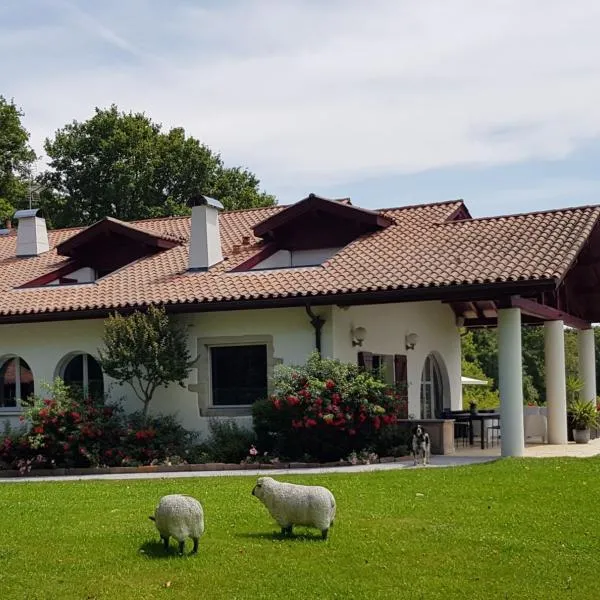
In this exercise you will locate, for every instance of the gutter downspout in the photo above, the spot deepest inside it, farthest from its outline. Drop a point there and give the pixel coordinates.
(317, 322)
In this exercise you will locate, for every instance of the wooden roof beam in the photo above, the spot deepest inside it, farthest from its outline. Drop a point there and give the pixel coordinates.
(547, 313)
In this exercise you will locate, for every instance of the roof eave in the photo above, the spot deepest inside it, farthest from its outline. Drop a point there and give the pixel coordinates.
(423, 294)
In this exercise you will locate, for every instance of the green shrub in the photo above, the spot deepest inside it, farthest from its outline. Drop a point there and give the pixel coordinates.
(394, 440)
(155, 439)
(228, 442)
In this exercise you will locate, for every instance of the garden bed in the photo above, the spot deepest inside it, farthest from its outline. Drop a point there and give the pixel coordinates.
(78, 472)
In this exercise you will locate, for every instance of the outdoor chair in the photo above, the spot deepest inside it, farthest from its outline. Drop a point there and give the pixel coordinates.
(461, 428)
(536, 423)
(491, 429)
(461, 432)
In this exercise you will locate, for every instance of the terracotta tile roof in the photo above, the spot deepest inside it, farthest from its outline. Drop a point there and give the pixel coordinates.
(424, 248)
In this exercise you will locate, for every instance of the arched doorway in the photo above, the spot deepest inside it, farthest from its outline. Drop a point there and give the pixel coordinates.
(432, 389)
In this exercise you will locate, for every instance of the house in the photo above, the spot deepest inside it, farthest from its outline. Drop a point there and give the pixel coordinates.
(390, 288)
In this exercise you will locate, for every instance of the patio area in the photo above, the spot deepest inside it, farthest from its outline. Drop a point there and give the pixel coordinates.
(536, 450)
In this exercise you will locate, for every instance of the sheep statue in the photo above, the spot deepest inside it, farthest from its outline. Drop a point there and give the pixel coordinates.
(179, 517)
(290, 504)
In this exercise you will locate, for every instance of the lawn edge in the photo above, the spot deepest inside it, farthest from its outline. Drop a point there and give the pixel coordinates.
(81, 472)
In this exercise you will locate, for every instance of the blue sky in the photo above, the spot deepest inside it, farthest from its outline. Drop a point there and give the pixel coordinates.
(389, 102)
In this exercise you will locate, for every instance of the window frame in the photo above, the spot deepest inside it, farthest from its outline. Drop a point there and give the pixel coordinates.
(85, 384)
(210, 347)
(432, 383)
(18, 407)
(385, 368)
(202, 388)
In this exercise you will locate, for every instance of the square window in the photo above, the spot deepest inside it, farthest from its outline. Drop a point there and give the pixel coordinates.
(238, 374)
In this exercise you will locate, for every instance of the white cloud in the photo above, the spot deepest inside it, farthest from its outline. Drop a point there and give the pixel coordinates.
(324, 92)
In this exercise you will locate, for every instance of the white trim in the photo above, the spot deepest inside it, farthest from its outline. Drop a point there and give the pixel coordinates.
(431, 371)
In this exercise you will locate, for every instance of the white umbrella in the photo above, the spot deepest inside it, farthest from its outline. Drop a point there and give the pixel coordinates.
(471, 381)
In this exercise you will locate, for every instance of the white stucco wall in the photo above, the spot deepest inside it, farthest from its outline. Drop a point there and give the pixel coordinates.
(293, 340)
(44, 345)
(386, 328)
(283, 259)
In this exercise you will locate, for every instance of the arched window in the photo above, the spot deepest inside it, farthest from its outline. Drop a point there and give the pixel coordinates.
(83, 372)
(16, 382)
(432, 390)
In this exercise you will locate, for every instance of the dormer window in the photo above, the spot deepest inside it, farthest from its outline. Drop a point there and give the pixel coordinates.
(80, 275)
(288, 259)
(101, 249)
(310, 232)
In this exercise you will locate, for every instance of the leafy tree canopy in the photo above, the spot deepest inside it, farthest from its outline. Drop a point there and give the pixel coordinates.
(146, 351)
(16, 158)
(125, 166)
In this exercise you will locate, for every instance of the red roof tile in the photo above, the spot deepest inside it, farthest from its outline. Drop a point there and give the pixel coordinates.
(422, 248)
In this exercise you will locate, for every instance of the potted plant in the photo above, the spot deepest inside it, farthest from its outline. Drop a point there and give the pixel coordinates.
(473, 407)
(574, 387)
(583, 416)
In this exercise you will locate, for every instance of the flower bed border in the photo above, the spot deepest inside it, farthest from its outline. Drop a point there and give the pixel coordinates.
(58, 472)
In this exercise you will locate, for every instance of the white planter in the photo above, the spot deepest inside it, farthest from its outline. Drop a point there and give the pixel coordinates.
(581, 436)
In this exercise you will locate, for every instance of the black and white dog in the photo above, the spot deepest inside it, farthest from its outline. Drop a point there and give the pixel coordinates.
(421, 445)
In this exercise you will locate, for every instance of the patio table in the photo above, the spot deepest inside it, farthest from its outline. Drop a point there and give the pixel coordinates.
(478, 416)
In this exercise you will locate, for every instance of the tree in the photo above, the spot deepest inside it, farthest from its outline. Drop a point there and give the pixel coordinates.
(480, 347)
(480, 351)
(16, 158)
(123, 165)
(146, 351)
(485, 396)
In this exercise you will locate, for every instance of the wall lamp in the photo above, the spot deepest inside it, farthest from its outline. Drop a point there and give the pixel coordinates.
(358, 335)
(411, 341)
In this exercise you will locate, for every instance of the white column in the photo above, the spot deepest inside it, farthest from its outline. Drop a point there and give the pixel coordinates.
(510, 380)
(556, 387)
(586, 348)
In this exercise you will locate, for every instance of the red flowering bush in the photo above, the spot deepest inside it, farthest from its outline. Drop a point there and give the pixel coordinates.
(64, 431)
(154, 439)
(325, 410)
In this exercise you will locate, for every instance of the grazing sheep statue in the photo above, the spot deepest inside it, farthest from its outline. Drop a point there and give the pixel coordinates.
(291, 504)
(179, 517)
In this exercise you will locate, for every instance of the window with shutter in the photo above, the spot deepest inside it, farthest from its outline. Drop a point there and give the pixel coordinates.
(381, 365)
(401, 375)
(365, 360)
(401, 380)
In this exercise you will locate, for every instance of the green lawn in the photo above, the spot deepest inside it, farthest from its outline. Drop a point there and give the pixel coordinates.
(511, 529)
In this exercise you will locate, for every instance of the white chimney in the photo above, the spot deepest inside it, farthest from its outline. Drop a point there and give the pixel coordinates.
(32, 235)
(205, 238)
